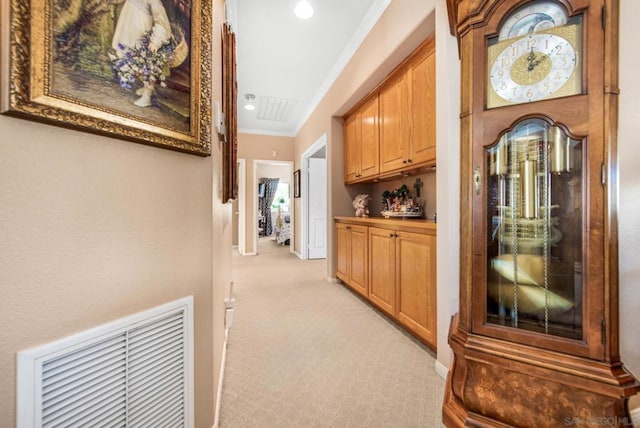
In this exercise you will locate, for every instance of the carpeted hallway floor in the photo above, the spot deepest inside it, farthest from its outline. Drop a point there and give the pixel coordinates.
(303, 352)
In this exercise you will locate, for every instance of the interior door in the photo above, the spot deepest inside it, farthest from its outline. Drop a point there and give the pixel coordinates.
(317, 200)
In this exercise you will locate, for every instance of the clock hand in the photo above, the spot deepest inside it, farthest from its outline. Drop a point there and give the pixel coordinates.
(531, 57)
(534, 61)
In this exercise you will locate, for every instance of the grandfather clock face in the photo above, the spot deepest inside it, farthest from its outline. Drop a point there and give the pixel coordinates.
(536, 55)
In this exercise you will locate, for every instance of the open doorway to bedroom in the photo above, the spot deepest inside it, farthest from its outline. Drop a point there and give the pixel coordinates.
(274, 193)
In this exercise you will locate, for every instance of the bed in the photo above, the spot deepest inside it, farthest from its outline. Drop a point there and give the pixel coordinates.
(283, 228)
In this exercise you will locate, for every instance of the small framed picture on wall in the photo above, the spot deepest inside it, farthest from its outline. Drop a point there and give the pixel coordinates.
(296, 183)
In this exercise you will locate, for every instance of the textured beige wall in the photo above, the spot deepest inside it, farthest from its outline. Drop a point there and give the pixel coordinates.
(254, 147)
(94, 229)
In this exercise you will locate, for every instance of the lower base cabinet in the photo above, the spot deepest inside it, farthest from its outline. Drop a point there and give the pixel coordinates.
(353, 256)
(416, 284)
(401, 273)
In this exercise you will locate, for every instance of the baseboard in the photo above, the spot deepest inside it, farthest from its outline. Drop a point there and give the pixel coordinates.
(250, 254)
(635, 417)
(298, 254)
(216, 415)
(333, 280)
(441, 369)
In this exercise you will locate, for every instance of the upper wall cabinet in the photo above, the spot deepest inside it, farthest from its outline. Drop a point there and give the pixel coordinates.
(423, 107)
(395, 122)
(407, 114)
(361, 145)
(394, 129)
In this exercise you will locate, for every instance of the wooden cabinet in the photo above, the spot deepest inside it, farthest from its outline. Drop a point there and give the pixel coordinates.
(401, 278)
(351, 148)
(382, 269)
(361, 142)
(408, 114)
(395, 120)
(422, 147)
(395, 128)
(352, 263)
(416, 283)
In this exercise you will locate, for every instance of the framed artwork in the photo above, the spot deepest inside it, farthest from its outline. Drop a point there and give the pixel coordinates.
(296, 183)
(230, 109)
(139, 70)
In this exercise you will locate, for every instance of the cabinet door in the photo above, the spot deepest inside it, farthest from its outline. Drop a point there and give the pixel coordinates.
(416, 283)
(369, 139)
(343, 238)
(351, 147)
(394, 123)
(359, 259)
(423, 102)
(382, 269)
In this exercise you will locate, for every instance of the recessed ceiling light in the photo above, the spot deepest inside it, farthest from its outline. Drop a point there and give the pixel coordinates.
(249, 104)
(303, 10)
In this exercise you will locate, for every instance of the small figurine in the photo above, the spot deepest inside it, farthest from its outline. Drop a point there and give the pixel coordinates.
(360, 203)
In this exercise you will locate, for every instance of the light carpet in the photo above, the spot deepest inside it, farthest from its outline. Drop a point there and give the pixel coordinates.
(304, 352)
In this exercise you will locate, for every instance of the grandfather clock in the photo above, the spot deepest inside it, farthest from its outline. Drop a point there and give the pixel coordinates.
(536, 339)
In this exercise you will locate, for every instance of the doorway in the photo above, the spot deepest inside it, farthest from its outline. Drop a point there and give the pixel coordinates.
(314, 201)
(272, 220)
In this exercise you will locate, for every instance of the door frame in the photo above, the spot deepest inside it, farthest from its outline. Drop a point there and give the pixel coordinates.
(304, 187)
(242, 206)
(253, 191)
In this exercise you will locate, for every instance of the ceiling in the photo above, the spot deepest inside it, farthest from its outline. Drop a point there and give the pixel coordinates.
(289, 63)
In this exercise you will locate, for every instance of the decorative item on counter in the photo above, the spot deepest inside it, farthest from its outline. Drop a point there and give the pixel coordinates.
(360, 203)
(399, 203)
(418, 185)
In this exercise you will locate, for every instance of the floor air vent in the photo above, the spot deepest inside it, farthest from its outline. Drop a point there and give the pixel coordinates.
(134, 372)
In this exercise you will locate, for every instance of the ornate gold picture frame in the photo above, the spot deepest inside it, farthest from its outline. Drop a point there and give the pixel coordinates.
(81, 64)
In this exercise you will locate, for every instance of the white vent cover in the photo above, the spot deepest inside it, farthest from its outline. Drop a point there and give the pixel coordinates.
(134, 372)
(273, 109)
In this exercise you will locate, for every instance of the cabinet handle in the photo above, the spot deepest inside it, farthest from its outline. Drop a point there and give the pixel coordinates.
(409, 161)
(404, 162)
(391, 235)
(348, 227)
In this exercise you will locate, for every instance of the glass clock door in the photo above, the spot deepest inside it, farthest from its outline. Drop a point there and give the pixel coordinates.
(534, 255)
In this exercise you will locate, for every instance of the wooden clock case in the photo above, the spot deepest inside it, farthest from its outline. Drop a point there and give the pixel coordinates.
(503, 376)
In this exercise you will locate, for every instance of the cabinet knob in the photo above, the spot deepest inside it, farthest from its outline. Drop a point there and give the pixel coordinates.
(404, 162)
(348, 227)
(409, 161)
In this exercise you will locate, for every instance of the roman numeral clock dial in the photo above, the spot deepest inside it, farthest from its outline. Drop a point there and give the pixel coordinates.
(535, 57)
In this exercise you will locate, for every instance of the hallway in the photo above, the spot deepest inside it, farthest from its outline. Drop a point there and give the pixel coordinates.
(304, 352)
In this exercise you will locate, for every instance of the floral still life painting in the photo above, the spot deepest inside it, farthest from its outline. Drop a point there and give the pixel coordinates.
(125, 68)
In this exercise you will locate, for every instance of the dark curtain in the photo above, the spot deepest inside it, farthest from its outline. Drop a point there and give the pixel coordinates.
(271, 185)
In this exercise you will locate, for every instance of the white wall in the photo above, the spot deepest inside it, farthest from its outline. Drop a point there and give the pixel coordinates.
(629, 196)
(447, 179)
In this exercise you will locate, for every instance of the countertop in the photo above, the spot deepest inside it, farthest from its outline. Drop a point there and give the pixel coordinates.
(410, 224)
